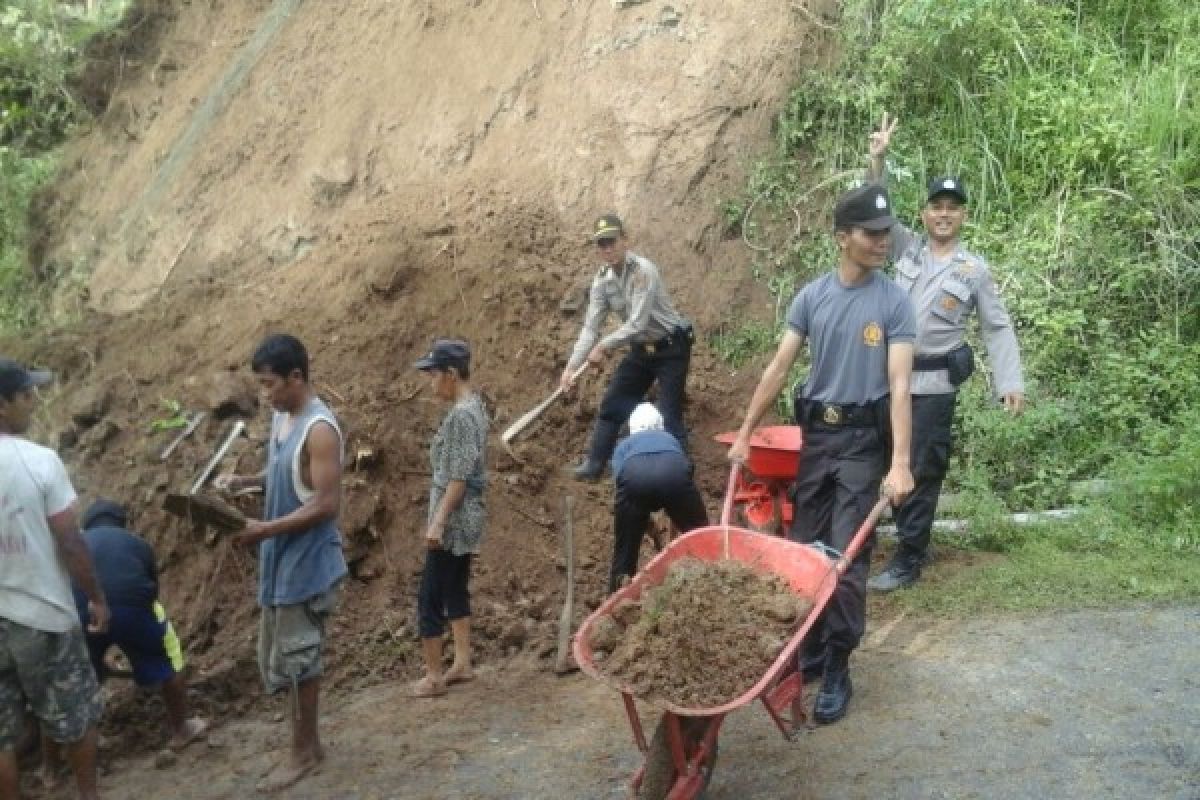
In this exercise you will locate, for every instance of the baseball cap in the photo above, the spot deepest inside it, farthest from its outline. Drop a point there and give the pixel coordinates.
(866, 207)
(445, 353)
(16, 378)
(645, 418)
(947, 184)
(608, 226)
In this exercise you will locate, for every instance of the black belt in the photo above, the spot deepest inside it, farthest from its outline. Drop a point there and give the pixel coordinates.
(930, 363)
(838, 416)
(665, 343)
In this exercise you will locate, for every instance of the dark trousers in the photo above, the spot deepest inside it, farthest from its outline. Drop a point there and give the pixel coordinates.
(443, 596)
(835, 490)
(651, 482)
(630, 382)
(932, 438)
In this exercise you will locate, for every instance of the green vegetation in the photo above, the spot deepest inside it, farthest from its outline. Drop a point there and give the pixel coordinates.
(1076, 125)
(40, 49)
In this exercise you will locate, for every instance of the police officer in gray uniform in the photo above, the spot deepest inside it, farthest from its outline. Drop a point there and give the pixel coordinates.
(860, 329)
(946, 283)
(659, 340)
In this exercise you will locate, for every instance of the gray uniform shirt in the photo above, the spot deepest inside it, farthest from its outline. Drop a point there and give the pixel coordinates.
(944, 295)
(637, 296)
(849, 329)
(459, 453)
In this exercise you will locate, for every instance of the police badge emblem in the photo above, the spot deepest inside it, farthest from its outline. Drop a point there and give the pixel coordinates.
(872, 335)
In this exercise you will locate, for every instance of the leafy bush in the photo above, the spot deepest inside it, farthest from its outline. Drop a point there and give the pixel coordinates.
(1077, 129)
(40, 49)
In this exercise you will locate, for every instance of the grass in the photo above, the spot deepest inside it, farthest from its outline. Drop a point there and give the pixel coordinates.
(1077, 128)
(1091, 562)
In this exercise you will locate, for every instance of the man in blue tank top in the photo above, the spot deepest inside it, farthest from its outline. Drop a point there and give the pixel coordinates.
(300, 562)
(860, 329)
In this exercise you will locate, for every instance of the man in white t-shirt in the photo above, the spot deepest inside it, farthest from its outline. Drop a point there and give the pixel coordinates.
(44, 661)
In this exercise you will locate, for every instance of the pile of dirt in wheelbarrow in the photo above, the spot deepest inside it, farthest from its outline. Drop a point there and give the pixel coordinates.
(702, 637)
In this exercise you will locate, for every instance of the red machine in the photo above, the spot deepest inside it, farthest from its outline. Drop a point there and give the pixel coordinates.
(682, 753)
(760, 495)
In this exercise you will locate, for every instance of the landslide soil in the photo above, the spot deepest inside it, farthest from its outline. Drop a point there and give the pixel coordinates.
(702, 637)
(374, 177)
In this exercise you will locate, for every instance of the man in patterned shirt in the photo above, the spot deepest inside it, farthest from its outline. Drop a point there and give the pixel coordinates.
(457, 516)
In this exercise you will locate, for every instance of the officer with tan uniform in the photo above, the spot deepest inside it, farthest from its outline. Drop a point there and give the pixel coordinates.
(946, 282)
(658, 336)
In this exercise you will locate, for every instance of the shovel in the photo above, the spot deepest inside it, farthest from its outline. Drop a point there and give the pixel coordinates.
(562, 663)
(528, 417)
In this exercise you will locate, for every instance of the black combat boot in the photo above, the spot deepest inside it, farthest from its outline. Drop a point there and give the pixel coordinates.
(835, 688)
(901, 572)
(811, 658)
(604, 440)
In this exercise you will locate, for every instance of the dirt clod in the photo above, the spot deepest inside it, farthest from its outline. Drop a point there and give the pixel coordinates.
(702, 637)
(605, 634)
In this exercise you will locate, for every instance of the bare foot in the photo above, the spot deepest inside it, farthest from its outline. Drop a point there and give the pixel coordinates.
(427, 687)
(193, 729)
(288, 774)
(459, 675)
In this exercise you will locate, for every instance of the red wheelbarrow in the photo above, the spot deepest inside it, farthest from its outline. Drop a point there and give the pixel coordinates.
(681, 754)
(760, 497)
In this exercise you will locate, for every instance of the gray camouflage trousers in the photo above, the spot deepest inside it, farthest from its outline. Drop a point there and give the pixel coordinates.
(50, 674)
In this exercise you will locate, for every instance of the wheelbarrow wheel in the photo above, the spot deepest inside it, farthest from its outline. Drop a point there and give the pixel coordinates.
(660, 773)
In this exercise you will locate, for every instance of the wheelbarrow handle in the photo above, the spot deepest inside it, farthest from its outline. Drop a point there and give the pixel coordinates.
(727, 509)
(862, 534)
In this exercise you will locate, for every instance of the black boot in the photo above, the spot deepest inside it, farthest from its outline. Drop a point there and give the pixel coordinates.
(835, 692)
(810, 661)
(901, 572)
(604, 441)
(588, 470)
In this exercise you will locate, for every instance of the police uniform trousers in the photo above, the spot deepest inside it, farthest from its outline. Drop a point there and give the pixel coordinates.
(932, 438)
(836, 487)
(650, 482)
(632, 379)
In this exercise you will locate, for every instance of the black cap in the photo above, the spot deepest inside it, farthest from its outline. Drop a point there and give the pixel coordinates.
(867, 207)
(16, 378)
(947, 184)
(446, 353)
(608, 226)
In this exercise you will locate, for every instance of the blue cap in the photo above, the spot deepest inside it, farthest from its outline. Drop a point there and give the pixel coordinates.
(446, 353)
(867, 207)
(947, 184)
(15, 377)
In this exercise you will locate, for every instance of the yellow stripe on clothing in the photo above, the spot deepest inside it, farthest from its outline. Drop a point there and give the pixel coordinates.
(170, 640)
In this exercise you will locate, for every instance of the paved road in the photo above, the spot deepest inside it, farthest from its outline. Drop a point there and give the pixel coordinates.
(1079, 706)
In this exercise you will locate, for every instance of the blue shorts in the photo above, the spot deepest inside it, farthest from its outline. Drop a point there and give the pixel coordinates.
(147, 639)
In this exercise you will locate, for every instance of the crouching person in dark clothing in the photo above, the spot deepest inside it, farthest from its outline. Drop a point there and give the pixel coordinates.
(139, 627)
(652, 474)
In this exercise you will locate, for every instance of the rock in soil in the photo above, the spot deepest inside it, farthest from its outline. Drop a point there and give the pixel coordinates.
(704, 636)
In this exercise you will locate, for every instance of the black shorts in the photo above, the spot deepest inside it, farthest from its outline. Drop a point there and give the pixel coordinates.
(444, 596)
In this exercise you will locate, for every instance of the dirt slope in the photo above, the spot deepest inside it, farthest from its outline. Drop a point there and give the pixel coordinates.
(367, 175)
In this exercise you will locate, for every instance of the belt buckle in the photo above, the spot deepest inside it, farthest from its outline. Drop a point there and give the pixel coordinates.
(832, 415)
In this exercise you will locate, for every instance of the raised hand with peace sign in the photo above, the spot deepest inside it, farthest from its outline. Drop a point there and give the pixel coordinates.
(877, 145)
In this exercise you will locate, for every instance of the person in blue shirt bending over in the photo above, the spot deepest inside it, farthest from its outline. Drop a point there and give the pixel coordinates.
(651, 474)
